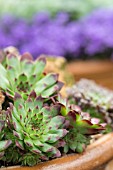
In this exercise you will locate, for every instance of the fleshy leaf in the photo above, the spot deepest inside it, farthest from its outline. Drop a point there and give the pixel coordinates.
(4, 144)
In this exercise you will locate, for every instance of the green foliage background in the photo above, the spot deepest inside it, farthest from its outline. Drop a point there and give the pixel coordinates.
(26, 8)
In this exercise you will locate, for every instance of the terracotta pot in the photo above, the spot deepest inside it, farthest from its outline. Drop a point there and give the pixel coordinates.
(100, 71)
(109, 166)
(97, 154)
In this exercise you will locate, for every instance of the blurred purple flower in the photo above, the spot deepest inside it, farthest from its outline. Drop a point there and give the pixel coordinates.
(97, 32)
(43, 34)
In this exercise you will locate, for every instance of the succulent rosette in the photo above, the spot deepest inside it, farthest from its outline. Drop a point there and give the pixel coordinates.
(81, 126)
(22, 75)
(37, 127)
(92, 98)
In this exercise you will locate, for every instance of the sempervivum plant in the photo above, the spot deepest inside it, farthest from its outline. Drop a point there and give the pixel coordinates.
(37, 128)
(92, 98)
(22, 75)
(81, 127)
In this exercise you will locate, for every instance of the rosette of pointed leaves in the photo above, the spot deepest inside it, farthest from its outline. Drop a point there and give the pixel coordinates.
(22, 75)
(38, 128)
(81, 127)
(92, 98)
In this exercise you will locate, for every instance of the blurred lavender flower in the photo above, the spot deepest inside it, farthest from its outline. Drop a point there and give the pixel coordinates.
(97, 33)
(88, 37)
(42, 35)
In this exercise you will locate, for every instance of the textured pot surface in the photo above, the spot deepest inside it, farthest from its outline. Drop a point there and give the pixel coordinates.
(100, 71)
(109, 165)
(97, 154)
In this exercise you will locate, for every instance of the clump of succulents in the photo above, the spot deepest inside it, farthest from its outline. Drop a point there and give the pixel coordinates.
(92, 98)
(38, 130)
(37, 124)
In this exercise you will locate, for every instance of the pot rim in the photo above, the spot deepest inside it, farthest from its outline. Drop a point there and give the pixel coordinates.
(96, 154)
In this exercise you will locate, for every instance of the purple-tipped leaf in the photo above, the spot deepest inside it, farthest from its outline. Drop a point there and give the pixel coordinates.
(26, 56)
(5, 144)
(20, 144)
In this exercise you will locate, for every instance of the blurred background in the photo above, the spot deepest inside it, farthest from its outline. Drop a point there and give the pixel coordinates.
(79, 30)
(75, 29)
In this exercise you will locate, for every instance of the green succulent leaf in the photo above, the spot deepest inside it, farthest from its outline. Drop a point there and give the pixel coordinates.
(4, 144)
(4, 83)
